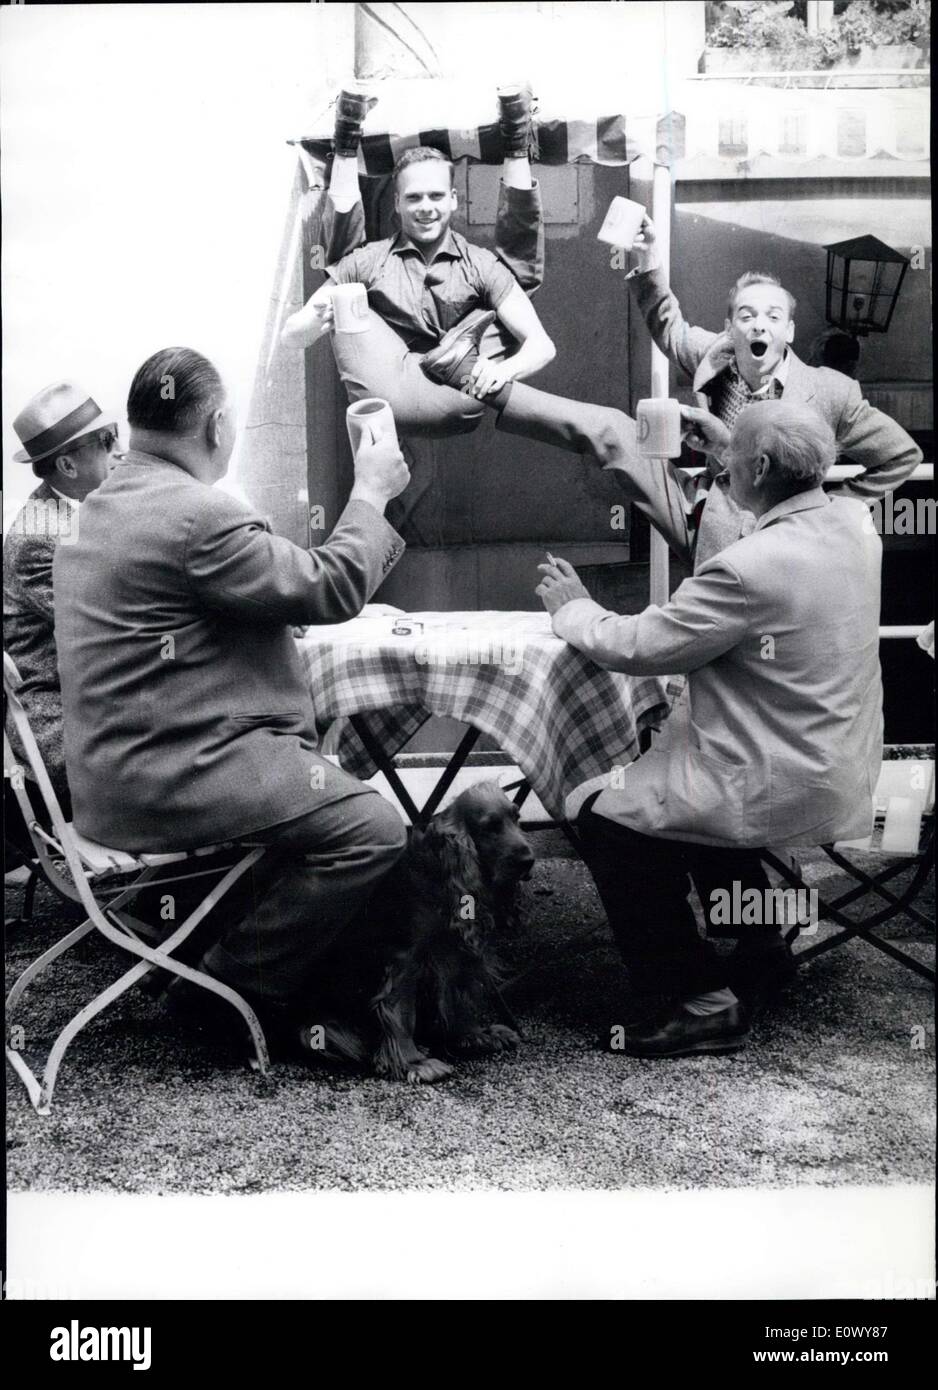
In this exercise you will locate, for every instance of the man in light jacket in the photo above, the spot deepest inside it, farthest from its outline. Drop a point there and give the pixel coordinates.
(779, 741)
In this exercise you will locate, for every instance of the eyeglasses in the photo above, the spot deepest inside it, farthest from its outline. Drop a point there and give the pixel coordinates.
(106, 440)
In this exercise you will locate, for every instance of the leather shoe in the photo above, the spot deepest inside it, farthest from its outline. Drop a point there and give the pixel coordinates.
(517, 129)
(680, 1034)
(457, 352)
(351, 108)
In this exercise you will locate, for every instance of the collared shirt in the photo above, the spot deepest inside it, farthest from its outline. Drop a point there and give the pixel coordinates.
(420, 301)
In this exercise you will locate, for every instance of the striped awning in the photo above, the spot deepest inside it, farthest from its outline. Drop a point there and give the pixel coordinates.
(559, 142)
(461, 122)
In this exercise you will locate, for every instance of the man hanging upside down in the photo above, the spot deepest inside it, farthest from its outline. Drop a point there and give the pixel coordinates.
(435, 300)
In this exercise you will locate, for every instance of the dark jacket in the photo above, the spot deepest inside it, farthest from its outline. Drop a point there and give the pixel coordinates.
(188, 719)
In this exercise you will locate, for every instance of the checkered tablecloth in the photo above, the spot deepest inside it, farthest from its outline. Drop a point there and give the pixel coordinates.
(560, 717)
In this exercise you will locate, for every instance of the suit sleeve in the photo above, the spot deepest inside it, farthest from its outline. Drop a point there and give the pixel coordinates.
(681, 343)
(236, 565)
(706, 617)
(869, 437)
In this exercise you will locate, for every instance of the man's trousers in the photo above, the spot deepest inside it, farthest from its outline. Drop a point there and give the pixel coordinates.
(644, 883)
(321, 870)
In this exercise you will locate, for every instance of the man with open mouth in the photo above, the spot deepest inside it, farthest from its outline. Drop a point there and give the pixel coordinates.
(752, 360)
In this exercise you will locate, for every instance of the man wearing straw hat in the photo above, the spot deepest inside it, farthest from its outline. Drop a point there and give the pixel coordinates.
(70, 444)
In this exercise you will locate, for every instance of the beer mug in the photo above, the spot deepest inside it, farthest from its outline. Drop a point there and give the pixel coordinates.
(371, 419)
(621, 223)
(350, 308)
(659, 429)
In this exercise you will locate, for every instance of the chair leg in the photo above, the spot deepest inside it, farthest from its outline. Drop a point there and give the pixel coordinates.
(897, 904)
(113, 992)
(41, 963)
(29, 895)
(31, 1082)
(36, 968)
(198, 977)
(829, 912)
(887, 948)
(76, 1024)
(150, 958)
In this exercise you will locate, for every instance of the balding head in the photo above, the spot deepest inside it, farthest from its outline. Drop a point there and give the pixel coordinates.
(777, 449)
(178, 409)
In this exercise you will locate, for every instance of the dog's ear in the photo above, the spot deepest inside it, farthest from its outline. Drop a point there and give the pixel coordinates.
(450, 843)
(466, 901)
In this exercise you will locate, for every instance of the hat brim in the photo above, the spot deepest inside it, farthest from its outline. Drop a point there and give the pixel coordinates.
(103, 420)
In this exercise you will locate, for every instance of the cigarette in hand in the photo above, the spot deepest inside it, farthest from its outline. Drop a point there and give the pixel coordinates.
(550, 557)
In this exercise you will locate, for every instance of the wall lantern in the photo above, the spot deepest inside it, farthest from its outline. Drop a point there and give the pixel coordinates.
(863, 280)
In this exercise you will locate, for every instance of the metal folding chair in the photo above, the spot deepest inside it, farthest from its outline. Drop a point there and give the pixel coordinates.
(904, 834)
(103, 880)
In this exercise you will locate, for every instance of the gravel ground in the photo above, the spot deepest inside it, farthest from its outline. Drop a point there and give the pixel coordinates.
(830, 1089)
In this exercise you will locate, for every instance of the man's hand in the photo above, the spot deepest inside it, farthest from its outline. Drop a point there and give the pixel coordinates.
(380, 473)
(308, 324)
(719, 355)
(644, 246)
(703, 431)
(488, 376)
(561, 584)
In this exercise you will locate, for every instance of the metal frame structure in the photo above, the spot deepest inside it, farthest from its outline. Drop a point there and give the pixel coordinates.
(103, 880)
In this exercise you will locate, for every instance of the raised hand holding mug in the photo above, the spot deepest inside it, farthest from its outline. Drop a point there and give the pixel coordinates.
(659, 429)
(350, 308)
(370, 420)
(622, 223)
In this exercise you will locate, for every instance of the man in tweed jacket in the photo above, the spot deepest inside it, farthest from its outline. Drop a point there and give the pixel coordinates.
(696, 514)
(752, 360)
(69, 468)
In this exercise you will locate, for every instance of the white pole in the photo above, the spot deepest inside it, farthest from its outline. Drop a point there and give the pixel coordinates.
(661, 216)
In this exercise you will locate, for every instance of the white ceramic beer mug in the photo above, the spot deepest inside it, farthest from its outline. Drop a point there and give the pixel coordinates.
(350, 308)
(659, 429)
(621, 223)
(371, 419)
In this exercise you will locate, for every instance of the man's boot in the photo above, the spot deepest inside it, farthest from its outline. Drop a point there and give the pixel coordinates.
(452, 360)
(516, 105)
(351, 108)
